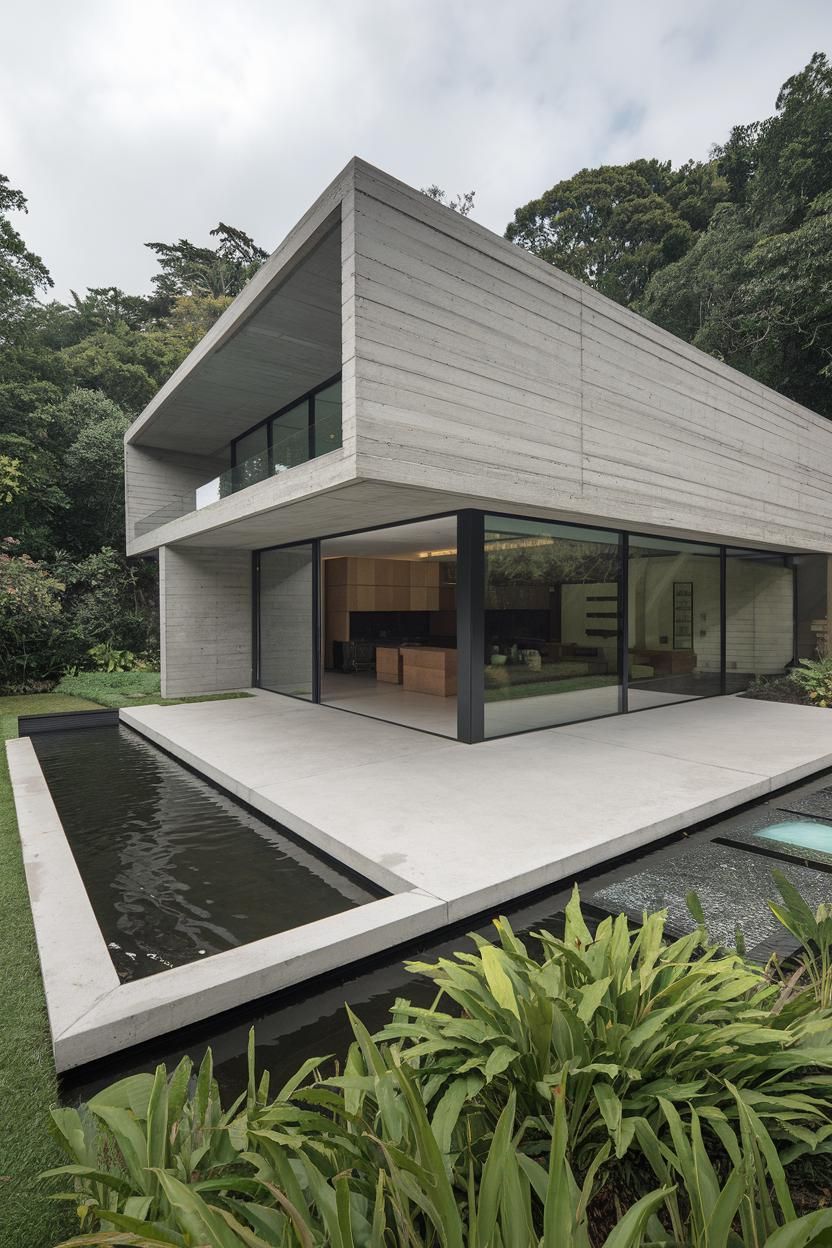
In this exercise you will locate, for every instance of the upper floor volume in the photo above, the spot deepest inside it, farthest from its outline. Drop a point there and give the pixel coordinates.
(392, 360)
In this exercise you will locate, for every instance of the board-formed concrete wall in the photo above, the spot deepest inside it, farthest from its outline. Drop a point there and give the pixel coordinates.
(285, 628)
(476, 375)
(204, 619)
(482, 370)
(760, 616)
(160, 485)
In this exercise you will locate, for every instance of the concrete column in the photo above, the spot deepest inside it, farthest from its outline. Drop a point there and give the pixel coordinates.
(286, 651)
(204, 619)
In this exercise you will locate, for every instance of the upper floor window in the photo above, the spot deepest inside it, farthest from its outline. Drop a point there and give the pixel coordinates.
(304, 429)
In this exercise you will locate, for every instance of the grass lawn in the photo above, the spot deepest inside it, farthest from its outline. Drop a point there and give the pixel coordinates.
(125, 689)
(534, 689)
(28, 1086)
(27, 1075)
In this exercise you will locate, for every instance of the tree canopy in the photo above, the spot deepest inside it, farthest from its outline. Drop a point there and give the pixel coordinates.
(212, 272)
(72, 377)
(21, 271)
(733, 254)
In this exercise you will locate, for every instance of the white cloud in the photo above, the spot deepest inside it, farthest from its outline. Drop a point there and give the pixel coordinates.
(131, 121)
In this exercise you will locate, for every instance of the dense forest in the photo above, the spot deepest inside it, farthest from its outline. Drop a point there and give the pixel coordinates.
(733, 254)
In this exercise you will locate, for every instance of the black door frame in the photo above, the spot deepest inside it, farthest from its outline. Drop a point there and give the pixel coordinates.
(470, 608)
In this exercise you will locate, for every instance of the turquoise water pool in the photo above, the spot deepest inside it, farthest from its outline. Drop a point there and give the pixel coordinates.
(806, 834)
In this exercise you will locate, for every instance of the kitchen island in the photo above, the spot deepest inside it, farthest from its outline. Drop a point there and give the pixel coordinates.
(429, 669)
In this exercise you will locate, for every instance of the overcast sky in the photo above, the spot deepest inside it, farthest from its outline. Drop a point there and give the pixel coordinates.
(125, 121)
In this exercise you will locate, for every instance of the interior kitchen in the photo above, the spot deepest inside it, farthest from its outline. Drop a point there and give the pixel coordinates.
(389, 624)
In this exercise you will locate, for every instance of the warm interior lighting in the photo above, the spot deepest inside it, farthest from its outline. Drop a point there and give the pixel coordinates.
(519, 543)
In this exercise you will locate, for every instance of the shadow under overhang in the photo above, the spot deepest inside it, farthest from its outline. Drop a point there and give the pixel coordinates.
(285, 343)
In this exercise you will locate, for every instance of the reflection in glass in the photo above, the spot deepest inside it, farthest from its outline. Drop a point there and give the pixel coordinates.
(551, 624)
(389, 624)
(813, 590)
(285, 647)
(327, 431)
(673, 621)
(290, 437)
(759, 616)
(251, 462)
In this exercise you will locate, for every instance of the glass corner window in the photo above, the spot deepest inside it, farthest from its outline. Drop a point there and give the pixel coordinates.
(291, 442)
(551, 624)
(327, 419)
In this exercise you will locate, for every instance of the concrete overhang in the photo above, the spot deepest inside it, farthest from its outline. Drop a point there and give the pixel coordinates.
(281, 336)
(325, 498)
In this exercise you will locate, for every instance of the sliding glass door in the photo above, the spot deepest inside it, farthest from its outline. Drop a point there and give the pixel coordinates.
(481, 626)
(551, 624)
(759, 616)
(674, 621)
(286, 598)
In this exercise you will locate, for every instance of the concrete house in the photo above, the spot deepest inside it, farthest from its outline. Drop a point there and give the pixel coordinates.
(423, 492)
(416, 473)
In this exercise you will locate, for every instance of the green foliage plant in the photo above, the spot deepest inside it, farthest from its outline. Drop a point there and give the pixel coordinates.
(30, 611)
(107, 659)
(10, 481)
(814, 931)
(501, 1124)
(814, 677)
(624, 1021)
(346, 1162)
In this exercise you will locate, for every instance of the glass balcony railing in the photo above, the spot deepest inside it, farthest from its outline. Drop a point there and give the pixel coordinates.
(289, 450)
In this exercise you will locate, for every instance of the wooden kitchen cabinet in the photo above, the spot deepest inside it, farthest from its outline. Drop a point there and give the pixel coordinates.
(429, 669)
(389, 664)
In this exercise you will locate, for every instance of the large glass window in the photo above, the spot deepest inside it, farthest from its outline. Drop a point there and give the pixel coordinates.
(327, 422)
(554, 628)
(813, 584)
(759, 616)
(285, 621)
(551, 624)
(251, 461)
(308, 428)
(674, 621)
(290, 437)
(389, 639)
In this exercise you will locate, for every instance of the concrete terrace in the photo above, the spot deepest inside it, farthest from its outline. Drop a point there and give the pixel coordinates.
(449, 830)
(474, 828)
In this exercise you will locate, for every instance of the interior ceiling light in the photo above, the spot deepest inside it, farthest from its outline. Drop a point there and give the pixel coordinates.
(521, 543)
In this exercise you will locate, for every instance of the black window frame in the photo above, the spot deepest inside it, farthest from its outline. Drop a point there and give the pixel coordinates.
(308, 397)
(471, 609)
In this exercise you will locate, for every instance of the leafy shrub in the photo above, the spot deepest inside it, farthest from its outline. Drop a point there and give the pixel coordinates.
(105, 658)
(97, 612)
(776, 689)
(30, 612)
(814, 931)
(108, 603)
(501, 1123)
(814, 678)
(628, 1021)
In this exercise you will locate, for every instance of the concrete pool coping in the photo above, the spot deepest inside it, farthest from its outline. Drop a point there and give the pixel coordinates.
(451, 830)
(92, 1014)
(478, 826)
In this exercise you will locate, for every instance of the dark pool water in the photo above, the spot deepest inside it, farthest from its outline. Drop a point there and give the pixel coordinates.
(176, 870)
(309, 1021)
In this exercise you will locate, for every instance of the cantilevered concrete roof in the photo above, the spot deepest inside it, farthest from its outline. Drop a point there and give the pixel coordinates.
(280, 337)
